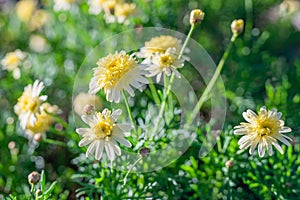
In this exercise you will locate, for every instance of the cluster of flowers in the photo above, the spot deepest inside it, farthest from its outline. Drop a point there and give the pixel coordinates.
(114, 10)
(121, 72)
(33, 112)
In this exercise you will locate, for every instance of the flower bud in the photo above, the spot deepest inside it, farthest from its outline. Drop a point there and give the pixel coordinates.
(88, 109)
(144, 152)
(196, 16)
(34, 177)
(229, 163)
(237, 26)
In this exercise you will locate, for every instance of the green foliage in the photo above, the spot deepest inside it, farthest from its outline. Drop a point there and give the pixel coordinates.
(263, 68)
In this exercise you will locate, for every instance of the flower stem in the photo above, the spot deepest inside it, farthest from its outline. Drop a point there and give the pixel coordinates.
(129, 112)
(154, 93)
(168, 85)
(130, 169)
(211, 83)
(50, 141)
(31, 191)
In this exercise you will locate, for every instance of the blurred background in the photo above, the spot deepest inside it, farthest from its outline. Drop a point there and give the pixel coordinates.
(262, 69)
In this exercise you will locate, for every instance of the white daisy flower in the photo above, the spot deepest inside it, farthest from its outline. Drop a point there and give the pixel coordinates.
(29, 103)
(117, 72)
(159, 45)
(104, 134)
(12, 60)
(263, 130)
(62, 4)
(97, 6)
(167, 63)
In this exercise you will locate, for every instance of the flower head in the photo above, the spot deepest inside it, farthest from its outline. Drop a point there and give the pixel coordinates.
(28, 105)
(44, 120)
(237, 26)
(122, 11)
(12, 60)
(62, 4)
(263, 130)
(97, 6)
(167, 62)
(25, 9)
(160, 44)
(117, 72)
(196, 16)
(34, 177)
(104, 133)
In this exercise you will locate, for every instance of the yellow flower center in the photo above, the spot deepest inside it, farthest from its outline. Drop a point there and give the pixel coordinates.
(12, 59)
(27, 103)
(115, 67)
(267, 126)
(162, 43)
(103, 129)
(165, 60)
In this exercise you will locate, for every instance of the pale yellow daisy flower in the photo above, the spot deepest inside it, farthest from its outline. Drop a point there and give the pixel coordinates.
(103, 134)
(25, 9)
(159, 44)
(12, 60)
(44, 120)
(167, 63)
(123, 11)
(60, 5)
(262, 129)
(28, 105)
(97, 6)
(117, 72)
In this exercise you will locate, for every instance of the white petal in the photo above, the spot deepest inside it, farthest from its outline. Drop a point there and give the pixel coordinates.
(261, 149)
(109, 151)
(278, 147)
(116, 114)
(241, 131)
(88, 119)
(43, 98)
(99, 149)
(253, 145)
(281, 139)
(125, 127)
(85, 141)
(285, 130)
(122, 141)
(83, 131)
(91, 149)
(270, 149)
(129, 90)
(158, 77)
(243, 139)
(116, 147)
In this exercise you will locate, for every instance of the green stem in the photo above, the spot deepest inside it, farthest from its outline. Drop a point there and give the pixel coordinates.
(50, 141)
(31, 191)
(129, 111)
(170, 83)
(130, 169)
(154, 93)
(211, 83)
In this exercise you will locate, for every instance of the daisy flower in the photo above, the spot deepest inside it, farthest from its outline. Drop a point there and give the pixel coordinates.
(263, 129)
(62, 4)
(123, 11)
(25, 9)
(12, 60)
(167, 63)
(104, 134)
(159, 44)
(29, 103)
(97, 6)
(44, 120)
(117, 72)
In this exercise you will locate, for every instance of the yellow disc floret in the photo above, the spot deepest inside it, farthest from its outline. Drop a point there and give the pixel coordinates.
(112, 68)
(103, 129)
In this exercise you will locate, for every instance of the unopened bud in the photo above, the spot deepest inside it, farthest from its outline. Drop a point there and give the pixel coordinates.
(34, 177)
(196, 16)
(237, 26)
(88, 109)
(229, 163)
(144, 152)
